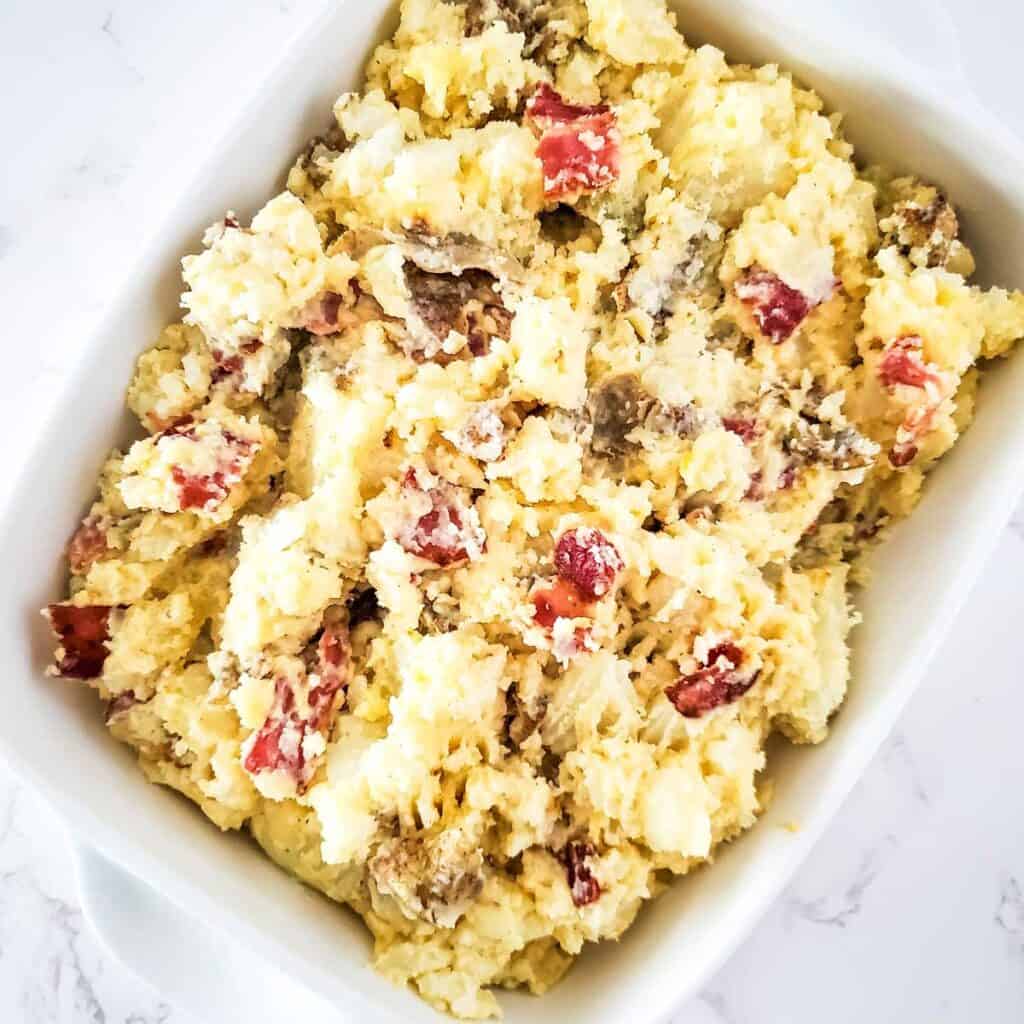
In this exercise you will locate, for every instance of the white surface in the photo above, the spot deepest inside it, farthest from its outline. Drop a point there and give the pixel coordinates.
(910, 908)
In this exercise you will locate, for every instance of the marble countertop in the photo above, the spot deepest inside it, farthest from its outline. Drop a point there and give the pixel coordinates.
(911, 907)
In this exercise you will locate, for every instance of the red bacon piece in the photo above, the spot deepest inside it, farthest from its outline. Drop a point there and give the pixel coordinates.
(902, 362)
(562, 600)
(916, 424)
(755, 489)
(919, 419)
(586, 558)
(579, 145)
(449, 532)
(778, 309)
(716, 683)
(582, 883)
(88, 545)
(586, 563)
(582, 640)
(744, 427)
(200, 491)
(787, 477)
(224, 366)
(902, 454)
(83, 633)
(278, 745)
(228, 367)
(334, 656)
(547, 108)
(207, 490)
(320, 315)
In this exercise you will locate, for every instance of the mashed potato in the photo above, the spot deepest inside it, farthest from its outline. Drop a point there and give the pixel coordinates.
(506, 478)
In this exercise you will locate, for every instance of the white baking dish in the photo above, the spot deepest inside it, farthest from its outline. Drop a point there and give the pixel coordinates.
(52, 731)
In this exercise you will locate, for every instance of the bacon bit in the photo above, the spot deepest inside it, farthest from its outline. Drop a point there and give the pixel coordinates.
(561, 603)
(320, 315)
(120, 704)
(902, 363)
(712, 685)
(579, 159)
(334, 655)
(278, 745)
(83, 633)
(579, 145)
(902, 454)
(586, 558)
(778, 309)
(199, 491)
(586, 563)
(562, 600)
(450, 532)
(89, 544)
(916, 424)
(206, 491)
(224, 366)
(743, 427)
(546, 108)
(230, 221)
(755, 489)
(565, 645)
(582, 883)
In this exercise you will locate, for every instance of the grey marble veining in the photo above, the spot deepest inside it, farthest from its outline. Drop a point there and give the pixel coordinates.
(1009, 914)
(910, 908)
(52, 968)
(840, 907)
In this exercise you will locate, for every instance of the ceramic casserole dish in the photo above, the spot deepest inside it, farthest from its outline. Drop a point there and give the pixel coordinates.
(53, 736)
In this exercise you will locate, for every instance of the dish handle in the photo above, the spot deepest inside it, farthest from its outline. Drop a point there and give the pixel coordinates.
(191, 965)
